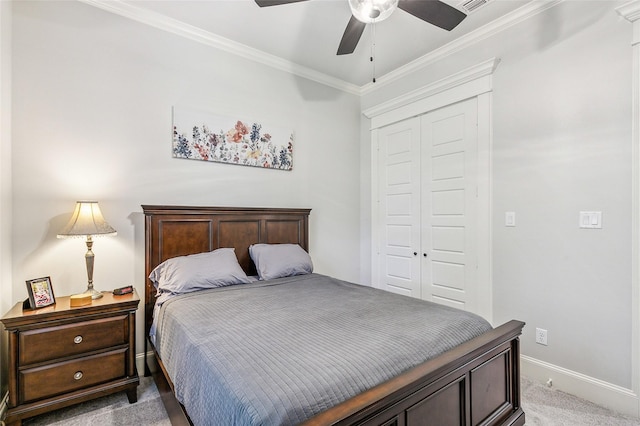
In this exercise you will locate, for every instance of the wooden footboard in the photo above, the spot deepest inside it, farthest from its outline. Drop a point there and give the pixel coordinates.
(476, 383)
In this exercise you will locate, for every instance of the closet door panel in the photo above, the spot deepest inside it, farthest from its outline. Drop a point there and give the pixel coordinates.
(448, 204)
(399, 207)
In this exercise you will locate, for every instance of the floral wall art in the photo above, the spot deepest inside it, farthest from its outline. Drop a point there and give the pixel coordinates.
(208, 137)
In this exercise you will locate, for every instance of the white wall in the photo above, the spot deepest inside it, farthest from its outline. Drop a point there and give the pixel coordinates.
(92, 99)
(568, 149)
(5, 174)
(561, 144)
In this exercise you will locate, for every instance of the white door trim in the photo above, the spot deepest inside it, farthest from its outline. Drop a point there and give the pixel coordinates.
(631, 12)
(456, 88)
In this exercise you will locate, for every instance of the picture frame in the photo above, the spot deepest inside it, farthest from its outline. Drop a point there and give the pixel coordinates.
(206, 136)
(40, 292)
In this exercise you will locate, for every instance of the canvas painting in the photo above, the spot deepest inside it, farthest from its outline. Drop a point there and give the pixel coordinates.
(209, 137)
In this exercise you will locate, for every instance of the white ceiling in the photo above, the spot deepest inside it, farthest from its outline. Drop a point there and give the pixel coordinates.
(306, 35)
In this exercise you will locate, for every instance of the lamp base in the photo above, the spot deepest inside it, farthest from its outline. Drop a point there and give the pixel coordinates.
(95, 294)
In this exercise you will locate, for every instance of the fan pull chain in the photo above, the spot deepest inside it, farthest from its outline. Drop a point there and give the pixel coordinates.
(373, 49)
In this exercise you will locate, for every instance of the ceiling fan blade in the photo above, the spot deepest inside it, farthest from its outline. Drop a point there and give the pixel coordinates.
(351, 36)
(265, 3)
(434, 12)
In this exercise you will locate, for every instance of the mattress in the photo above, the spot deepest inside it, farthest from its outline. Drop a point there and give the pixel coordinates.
(278, 352)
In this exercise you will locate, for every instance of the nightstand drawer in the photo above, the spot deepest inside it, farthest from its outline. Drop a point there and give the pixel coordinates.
(50, 343)
(54, 379)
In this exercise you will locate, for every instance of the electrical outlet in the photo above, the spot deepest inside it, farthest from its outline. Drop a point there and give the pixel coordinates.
(541, 336)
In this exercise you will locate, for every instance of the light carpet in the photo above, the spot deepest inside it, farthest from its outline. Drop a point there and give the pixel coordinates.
(543, 406)
(111, 410)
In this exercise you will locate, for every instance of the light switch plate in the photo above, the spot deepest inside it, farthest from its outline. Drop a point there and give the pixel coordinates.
(590, 220)
(510, 219)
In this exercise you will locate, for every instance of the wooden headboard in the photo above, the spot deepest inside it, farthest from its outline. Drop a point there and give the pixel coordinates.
(172, 231)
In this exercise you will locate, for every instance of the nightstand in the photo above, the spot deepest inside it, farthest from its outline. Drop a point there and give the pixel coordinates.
(61, 355)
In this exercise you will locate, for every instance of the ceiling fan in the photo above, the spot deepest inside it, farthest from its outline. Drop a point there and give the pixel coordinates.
(370, 11)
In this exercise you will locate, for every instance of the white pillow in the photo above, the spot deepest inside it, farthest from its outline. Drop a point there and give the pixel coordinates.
(185, 274)
(280, 260)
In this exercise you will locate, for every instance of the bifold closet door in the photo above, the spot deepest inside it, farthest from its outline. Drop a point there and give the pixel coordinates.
(449, 145)
(399, 207)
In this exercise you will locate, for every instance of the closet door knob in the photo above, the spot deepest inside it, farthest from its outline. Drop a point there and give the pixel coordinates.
(424, 254)
(415, 253)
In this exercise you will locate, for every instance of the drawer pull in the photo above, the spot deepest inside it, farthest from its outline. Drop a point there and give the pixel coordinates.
(78, 375)
(77, 339)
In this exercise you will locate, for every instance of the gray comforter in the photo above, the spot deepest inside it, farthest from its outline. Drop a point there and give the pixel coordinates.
(277, 352)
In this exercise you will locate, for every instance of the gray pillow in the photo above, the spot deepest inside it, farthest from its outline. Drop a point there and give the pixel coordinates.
(280, 260)
(185, 274)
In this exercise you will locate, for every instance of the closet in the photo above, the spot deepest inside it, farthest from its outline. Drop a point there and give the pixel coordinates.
(431, 191)
(427, 189)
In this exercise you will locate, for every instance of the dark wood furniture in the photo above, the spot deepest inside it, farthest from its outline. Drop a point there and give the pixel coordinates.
(476, 383)
(62, 355)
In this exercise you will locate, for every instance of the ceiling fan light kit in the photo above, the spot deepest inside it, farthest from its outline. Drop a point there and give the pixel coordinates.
(369, 11)
(366, 12)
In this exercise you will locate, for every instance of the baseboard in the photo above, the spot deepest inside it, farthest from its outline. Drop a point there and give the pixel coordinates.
(4, 404)
(140, 360)
(615, 397)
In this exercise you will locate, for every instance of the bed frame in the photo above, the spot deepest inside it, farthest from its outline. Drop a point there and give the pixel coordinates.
(476, 383)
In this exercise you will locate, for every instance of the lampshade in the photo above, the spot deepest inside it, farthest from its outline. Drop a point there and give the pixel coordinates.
(86, 220)
(369, 11)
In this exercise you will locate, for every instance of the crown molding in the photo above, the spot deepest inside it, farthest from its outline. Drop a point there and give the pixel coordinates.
(630, 11)
(191, 32)
(519, 15)
(174, 26)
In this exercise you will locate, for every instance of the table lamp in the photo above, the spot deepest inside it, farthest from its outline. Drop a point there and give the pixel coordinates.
(87, 221)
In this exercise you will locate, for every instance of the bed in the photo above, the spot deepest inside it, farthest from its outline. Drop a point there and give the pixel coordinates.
(475, 382)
